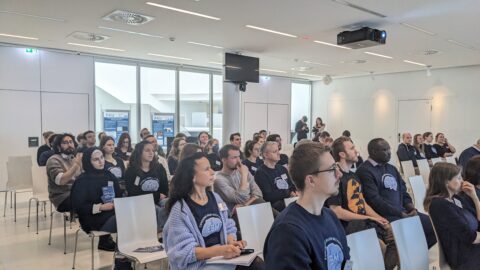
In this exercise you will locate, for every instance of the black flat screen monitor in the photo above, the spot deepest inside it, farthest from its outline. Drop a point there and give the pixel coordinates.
(240, 68)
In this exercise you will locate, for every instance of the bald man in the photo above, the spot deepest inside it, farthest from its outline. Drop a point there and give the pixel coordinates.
(406, 151)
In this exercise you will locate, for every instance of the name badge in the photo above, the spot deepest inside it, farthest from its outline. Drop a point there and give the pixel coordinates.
(457, 203)
(110, 183)
(254, 169)
(222, 207)
(137, 181)
(284, 176)
(217, 162)
(348, 265)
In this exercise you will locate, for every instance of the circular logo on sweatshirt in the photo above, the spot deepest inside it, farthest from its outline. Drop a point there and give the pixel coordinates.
(389, 182)
(150, 184)
(333, 254)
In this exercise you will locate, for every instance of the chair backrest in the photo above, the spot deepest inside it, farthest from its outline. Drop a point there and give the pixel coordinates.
(435, 160)
(365, 251)
(442, 262)
(290, 200)
(424, 169)
(136, 222)
(19, 172)
(40, 180)
(255, 223)
(418, 188)
(411, 243)
(287, 149)
(451, 160)
(408, 169)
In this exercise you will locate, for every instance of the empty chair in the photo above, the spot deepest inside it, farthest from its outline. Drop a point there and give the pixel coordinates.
(407, 168)
(92, 235)
(419, 191)
(255, 222)
(424, 169)
(451, 160)
(137, 228)
(40, 192)
(19, 177)
(435, 160)
(290, 200)
(411, 243)
(365, 251)
(441, 261)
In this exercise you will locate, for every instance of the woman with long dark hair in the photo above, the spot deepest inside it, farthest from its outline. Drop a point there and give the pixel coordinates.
(319, 126)
(174, 155)
(457, 228)
(124, 147)
(113, 164)
(198, 227)
(443, 147)
(252, 156)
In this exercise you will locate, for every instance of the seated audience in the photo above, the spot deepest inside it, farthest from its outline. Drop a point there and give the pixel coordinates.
(276, 138)
(443, 147)
(468, 153)
(101, 135)
(471, 173)
(44, 156)
(63, 168)
(203, 138)
(145, 175)
(273, 179)
(319, 126)
(430, 151)
(406, 151)
(252, 154)
(124, 147)
(45, 147)
(457, 228)
(346, 133)
(174, 155)
(350, 205)
(90, 138)
(161, 159)
(113, 164)
(385, 190)
(144, 133)
(307, 235)
(259, 139)
(82, 142)
(236, 140)
(215, 161)
(188, 150)
(263, 133)
(181, 135)
(419, 145)
(198, 227)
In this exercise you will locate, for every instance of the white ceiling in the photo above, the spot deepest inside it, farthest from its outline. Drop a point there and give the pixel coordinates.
(308, 19)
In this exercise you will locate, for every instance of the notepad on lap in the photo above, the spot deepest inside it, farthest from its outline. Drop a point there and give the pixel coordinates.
(244, 260)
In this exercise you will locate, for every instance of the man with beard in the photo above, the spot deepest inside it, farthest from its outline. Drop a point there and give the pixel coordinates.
(62, 170)
(385, 190)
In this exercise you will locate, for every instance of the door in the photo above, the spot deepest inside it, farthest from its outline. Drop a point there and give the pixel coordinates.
(278, 121)
(414, 116)
(255, 119)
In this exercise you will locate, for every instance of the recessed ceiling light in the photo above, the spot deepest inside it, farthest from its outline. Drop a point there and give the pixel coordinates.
(127, 17)
(316, 63)
(461, 44)
(273, 70)
(183, 11)
(415, 63)
(418, 29)
(32, 16)
(215, 63)
(310, 75)
(205, 45)
(270, 31)
(330, 44)
(95, 47)
(169, 56)
(129, 32)
(17, 36)
(86, 36)
(379, 55)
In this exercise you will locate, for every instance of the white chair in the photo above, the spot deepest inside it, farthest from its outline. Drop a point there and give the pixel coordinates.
(40, 192)
(451, 160)
(288, 201)
(419, 191)
(411, 243)
(441, 261)
(424, 169)
(137, 228)
(435, 160)
(92, 236)
(365, 251)
(19, 177)
(287, 149)
(255, 222)
(407, 168)
(65, 216)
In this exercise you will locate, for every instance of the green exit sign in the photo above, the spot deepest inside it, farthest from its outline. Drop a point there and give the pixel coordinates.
(30, 50)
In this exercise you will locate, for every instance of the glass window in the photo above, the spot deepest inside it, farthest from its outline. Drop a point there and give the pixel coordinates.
(116, 99)
(217, 116)
(194, 102)
(301, 96)
(157, 96)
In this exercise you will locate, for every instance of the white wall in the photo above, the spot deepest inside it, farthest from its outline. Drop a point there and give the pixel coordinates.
(27, 80)
(368, 108)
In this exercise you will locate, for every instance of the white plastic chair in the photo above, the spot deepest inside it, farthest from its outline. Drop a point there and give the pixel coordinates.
(419, 191)
(424, 170)
(19, 177)
(92, 236)
(451, 160)
(255, 222)
(441, 261)
(40, 192)
(137, 227)
(288, 201)
(365, 251)
(407, 168)
(411, 243)
(435, 160)
(65, 216)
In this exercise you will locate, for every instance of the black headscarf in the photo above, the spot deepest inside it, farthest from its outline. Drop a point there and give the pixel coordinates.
(87, 163)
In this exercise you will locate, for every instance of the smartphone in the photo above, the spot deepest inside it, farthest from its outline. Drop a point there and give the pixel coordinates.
(246, 251)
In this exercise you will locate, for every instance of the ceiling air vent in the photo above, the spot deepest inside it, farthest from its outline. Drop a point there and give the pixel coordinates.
(85, 36)
(128, 17)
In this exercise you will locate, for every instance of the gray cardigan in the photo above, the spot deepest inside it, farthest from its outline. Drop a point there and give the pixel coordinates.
(181, 235)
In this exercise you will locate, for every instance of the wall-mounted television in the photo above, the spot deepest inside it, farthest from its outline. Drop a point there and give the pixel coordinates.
(240, 68)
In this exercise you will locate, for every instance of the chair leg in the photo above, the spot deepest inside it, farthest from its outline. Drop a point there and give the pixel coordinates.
(64, 234)
(37, 213)
(75, 248)
(15, 206)
(45, 209)
(5, 205)
(11, 198)
(29, 207)
(51, 225)
(93, 245)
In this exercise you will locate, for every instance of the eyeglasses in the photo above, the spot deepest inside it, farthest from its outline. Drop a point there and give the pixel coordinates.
(333, 168)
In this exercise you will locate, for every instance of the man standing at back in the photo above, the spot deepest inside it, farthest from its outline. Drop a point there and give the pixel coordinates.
(301, 128)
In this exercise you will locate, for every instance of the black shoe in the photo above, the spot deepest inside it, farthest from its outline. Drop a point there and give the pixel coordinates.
(122, 264)
(106, 243)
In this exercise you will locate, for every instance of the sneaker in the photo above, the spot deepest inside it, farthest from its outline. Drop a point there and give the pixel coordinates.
(106, 243)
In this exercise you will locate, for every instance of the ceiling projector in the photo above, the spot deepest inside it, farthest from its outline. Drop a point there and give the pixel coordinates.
(362, 38)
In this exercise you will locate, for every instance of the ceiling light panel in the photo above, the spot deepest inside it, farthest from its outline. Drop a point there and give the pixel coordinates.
(205, 45)
(17, 36)
(32, 16)
(272, 70)
(95, 47)
(270, 31)
(379, 55)
(316, 63)
(129, 32)
(415, 63)
(170, 56)
(183, 11)
(127, 17)
(331, 44)
(419, 29)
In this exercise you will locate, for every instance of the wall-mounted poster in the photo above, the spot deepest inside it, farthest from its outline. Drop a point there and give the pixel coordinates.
(115, 123)
(163, 125)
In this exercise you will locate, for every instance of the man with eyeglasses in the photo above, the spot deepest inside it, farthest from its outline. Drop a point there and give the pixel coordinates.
(62, 170)
(273, 179)
(307, 235)
(385, 190)
(350, 205)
